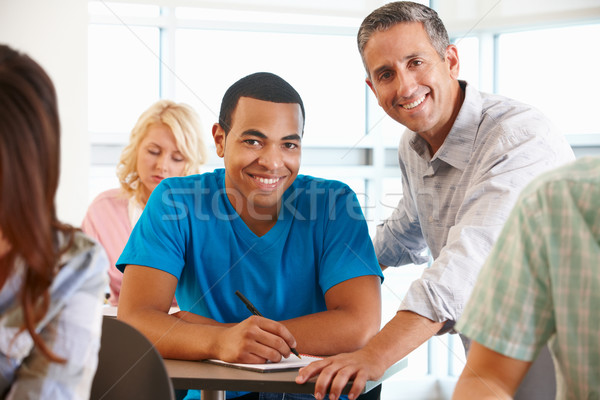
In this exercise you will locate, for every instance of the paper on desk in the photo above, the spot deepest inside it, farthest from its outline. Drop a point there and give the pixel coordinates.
(286, 364)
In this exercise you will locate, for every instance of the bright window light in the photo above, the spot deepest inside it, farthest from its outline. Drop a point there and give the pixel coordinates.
(123, 75)
(468, 55)
(555, 70)
(326, 71)
(107, 8)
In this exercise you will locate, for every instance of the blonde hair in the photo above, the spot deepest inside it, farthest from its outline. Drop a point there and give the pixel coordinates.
(186, 127)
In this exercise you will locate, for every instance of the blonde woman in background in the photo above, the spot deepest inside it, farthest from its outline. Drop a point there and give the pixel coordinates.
(166, 141)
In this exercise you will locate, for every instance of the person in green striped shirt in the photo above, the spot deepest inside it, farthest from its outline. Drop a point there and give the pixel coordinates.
(540, 284)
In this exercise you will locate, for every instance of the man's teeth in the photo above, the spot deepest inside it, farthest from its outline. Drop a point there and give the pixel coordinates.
(267, 181)
(413, 104)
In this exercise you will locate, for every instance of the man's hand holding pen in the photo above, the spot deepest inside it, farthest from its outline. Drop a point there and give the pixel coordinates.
(255, 340)
(255, 311)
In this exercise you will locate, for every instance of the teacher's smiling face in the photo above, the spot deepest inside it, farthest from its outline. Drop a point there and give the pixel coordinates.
(412, 82)
(261, 153)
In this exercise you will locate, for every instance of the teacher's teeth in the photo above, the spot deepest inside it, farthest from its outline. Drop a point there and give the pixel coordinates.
(413, 104)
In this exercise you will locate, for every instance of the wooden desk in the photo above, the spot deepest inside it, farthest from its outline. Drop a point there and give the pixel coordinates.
(111, 311)
(214, 380)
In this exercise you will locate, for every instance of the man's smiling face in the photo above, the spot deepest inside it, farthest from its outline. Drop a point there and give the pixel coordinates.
(411, 82)
(261, 153)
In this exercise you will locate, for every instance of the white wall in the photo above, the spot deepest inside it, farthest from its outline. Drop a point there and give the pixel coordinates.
(54, 33)
(462, 16)
(340, 8)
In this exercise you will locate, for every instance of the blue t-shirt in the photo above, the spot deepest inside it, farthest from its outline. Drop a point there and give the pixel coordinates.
(190, 229)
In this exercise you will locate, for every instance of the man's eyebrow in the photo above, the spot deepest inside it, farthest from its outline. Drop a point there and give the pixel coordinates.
(295, 136)
(259, 134)
(380, 69)
(384, 67)
(254, 132)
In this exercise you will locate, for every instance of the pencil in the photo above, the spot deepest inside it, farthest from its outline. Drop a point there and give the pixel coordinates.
(254, 311)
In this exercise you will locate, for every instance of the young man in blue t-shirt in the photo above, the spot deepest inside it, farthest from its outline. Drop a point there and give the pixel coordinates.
(296, 246)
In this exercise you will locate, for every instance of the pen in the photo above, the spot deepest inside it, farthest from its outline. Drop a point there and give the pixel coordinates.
(254, 311)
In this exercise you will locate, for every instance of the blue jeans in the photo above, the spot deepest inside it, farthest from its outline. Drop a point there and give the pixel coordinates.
(194, 394)
(285, 396)
(371, 395)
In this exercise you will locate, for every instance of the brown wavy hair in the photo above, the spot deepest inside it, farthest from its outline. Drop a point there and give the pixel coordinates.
(29, 173)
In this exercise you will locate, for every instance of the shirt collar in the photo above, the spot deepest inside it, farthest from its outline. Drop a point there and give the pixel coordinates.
(458, 145)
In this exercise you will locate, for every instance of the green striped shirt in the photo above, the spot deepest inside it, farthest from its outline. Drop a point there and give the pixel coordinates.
(541, 283)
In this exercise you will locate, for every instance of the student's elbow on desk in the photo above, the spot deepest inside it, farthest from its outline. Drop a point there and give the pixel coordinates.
(361, 337)
(372, 311)
(361, 299)
(366, 332)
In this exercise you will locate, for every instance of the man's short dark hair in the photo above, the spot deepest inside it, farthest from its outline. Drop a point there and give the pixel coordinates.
(260, 86)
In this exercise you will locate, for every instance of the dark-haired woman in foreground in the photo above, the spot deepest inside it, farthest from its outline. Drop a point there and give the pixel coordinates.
(52, 276)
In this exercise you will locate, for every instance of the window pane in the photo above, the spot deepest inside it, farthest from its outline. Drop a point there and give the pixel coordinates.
(382, 124)
(326, 71)
(105, 8)
(261, 17)
(123, 75)
(394, 288)
(468, 54)
(392, 193)
(555, 70)
(398, 280)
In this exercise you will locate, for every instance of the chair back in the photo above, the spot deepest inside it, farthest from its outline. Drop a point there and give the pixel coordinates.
(540, 381)
(129, 366)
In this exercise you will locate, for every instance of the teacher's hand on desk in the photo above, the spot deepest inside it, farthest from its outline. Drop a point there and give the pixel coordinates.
(334, 372)
(400, 336)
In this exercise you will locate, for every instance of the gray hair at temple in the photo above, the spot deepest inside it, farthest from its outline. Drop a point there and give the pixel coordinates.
(397, 12)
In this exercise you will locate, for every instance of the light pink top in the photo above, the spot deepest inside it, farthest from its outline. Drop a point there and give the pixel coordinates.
(110, 219)
(107, 221)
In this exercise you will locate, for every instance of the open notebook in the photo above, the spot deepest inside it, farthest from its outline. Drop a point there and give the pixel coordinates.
(286, 364)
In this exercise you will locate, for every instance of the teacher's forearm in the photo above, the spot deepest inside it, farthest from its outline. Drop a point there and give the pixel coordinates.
(400, 336)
